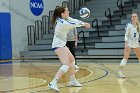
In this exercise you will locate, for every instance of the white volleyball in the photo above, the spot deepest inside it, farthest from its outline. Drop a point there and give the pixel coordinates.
(84, 12)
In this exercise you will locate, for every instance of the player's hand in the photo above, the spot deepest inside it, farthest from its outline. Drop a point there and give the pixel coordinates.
(87, 25)
(75, 44)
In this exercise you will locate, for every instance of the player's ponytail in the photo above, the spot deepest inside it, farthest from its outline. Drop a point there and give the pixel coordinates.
(138, 26)
(57, 13)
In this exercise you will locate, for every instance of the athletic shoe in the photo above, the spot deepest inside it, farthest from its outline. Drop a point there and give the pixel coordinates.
(75, 83)
(53, 86)
(121, 75)
(76, 68)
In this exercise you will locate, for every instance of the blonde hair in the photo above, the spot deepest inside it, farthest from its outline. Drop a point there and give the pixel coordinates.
(138, 23)
(138, 26)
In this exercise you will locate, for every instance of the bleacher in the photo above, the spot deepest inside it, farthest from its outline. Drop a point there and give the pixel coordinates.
(105, 39)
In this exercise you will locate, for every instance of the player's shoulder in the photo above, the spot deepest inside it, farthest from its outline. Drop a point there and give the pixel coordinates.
(60, 20)
(69, 18)
(128, 24)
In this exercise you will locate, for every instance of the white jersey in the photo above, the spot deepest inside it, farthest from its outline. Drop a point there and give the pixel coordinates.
(62, 28)
(132, 35)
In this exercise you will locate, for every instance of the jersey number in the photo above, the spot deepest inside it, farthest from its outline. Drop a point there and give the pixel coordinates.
(134, 34)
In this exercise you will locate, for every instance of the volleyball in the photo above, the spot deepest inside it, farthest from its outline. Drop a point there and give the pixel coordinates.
(84, 12)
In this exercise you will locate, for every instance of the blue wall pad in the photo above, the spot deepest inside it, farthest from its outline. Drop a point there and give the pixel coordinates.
(5, 36)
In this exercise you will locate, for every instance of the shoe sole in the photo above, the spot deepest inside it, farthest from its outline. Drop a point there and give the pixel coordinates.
(120, 77)
(53, 88)
(74, 85)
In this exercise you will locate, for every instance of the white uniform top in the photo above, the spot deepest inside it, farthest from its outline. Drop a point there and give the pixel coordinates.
(132, 35)
(62, 28)
(71, 34)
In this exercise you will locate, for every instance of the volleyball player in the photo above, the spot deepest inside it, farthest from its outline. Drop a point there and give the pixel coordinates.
(131, 42)
(63, 24)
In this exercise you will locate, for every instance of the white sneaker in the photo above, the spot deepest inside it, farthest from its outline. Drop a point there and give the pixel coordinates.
(53, 86)
(121, 75)
(75, 83)
(76, 68)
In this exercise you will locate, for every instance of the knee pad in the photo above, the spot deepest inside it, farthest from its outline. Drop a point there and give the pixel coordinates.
(123, 62)
(64, 68)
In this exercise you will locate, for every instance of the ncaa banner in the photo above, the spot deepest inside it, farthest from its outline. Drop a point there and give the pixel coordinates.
(36, 7)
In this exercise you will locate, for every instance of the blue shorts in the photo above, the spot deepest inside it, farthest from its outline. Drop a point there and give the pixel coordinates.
(55, 48)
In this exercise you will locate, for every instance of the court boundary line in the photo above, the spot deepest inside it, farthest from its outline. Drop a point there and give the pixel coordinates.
(106, 73)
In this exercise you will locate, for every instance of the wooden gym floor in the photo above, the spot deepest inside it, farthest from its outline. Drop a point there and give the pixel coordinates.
(96, 77)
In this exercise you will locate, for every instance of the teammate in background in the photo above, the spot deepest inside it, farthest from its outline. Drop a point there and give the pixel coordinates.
(63, 24)
(72, 40)
(131, 42)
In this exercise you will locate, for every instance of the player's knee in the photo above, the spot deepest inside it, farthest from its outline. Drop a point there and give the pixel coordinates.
(64, 68)
(123, 62)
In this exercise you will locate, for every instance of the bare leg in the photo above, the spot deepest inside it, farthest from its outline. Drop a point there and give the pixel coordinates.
(63, 55)
(73, 81)
(137, 52)
(127, 51)
(64, 59)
